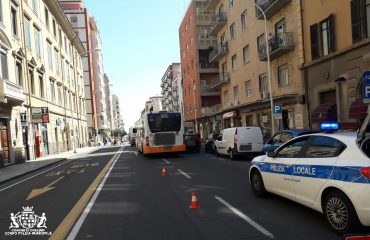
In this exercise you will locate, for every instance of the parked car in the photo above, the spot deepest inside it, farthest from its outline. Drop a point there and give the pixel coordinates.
(284, 136)
(240, 141)
(192, 142)
(209, 146)
(329, 173)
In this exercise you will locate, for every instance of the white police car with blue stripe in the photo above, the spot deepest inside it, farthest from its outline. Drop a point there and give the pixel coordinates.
(326, 172)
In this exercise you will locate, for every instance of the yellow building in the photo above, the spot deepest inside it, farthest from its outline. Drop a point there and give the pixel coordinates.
(242, 57)
(337, 50)
(42, 108)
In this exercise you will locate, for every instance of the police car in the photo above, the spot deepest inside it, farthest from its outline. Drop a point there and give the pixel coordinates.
(328, 172)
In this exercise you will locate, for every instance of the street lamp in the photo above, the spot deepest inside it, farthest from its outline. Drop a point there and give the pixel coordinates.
(268, 70)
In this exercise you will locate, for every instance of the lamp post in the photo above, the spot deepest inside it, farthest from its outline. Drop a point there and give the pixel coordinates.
(268, 70)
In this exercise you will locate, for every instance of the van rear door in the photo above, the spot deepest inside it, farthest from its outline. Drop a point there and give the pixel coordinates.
(250, 139)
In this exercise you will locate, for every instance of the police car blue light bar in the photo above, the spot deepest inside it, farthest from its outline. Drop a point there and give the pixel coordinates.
(329, 126)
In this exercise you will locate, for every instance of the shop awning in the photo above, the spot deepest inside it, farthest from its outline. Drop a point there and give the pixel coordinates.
(325, 113)
(358, 109)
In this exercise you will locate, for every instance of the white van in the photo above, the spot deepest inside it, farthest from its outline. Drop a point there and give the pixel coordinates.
(240, 141)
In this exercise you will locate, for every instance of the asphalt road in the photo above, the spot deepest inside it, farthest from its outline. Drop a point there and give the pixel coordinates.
(134, 201)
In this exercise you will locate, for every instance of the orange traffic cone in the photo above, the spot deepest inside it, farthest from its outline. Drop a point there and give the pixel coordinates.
(194, 201)
(164, 172)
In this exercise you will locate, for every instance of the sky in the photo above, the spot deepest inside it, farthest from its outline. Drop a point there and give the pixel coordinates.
(139, 41)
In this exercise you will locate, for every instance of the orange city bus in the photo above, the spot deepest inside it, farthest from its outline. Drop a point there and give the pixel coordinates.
(160, 132)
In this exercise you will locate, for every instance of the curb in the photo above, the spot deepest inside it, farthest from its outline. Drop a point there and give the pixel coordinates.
(31, 171)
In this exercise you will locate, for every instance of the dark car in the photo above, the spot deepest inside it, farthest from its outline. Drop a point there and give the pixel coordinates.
(209, 147)
(192, 142)
(284, 136)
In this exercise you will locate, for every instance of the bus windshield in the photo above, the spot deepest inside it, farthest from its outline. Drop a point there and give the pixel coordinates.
(164, 122)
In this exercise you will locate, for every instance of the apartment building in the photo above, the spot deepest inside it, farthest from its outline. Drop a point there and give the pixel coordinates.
(171, 85)
(337, 52)
(108, 101)
(42, 100)
(79, 17)
(201, 92)
(241, 54)
(116, 113)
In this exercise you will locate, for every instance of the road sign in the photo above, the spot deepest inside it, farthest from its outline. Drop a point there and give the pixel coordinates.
(278, 112)
(366, 87)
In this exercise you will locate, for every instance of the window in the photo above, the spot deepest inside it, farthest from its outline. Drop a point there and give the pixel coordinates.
(231, 3)
(19, 73)
(321, 147)
(360, 19)
(232, 31)
(37, 43)
(13, 14)
(50, 56)
(246, 57)
(4, 64)
(41, 87)
(263, 84)
(293, 149)
(74, 20)
(47, 18)
(322, 38)
(54, 28)
(314, 35)
(57, 62)
(283, 75)
(244, 20)
(60, 95)
(234, 63)
(236, 95)
(261, 43)
(27, 32)
(248, 88)
(34, 6)
(226, 96)
(52, 89)
(1, 11)
(32, 81)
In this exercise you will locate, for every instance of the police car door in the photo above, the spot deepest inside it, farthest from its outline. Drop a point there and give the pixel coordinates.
(313, 169)
(280, 179)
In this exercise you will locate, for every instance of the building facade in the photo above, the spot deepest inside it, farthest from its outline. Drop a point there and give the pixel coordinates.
(117, 121)
(337, 37)
(108, 101)
(201, 92)
(170, 88)
(42, 99)
(79, 17)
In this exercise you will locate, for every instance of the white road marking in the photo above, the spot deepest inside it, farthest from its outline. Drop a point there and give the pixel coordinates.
(72, 235)
(34, 175)
(165, 161)
(246, 218)
(186, 175)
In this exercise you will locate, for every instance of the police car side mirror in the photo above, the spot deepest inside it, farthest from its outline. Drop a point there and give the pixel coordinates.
(271, 154)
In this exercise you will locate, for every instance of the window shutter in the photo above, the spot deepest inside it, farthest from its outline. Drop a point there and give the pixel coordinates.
(331, 33)
(314, 41)
(356, 20)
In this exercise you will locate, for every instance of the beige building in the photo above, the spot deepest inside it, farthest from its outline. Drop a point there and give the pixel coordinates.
(42, 99)
(241, 55)
(337, 50)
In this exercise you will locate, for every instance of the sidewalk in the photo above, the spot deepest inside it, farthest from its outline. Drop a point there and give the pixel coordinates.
(14, 171)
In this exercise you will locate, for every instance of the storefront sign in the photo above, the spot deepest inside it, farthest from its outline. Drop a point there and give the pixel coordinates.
(40, 115)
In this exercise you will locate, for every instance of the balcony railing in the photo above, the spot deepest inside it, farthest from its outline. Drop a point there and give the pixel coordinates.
(224, 79)
(217, 24)
(270, 7)
(209, 111)
(208, 67)
(204, 19)
(212, 4)
(206, 90)
(279, 45)
(12, 93)
(218, 52)
(205, 43)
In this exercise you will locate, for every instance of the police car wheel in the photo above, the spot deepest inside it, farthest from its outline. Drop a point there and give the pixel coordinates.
(257, 184)
(339, 212)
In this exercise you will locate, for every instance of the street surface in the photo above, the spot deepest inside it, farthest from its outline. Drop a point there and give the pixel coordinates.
(116, 193)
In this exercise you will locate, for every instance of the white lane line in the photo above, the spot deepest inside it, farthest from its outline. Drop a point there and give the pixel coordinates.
(165, 161)
(72, 235)
(34, 175)
(186, 175)
(246, 218)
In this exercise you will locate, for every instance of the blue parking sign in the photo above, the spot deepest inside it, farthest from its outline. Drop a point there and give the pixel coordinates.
(278, 109)
(366, 87)
(366, 77)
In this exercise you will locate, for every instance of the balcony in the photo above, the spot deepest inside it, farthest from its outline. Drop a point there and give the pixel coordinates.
(218, 52)
(279, 45)
(270, 7)
(11, 92)
(224, 79)
(210, 111)
(212, 4)
(218, 22)
(204, 19)
(206, 67)
(205, 43)
(206, 90)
